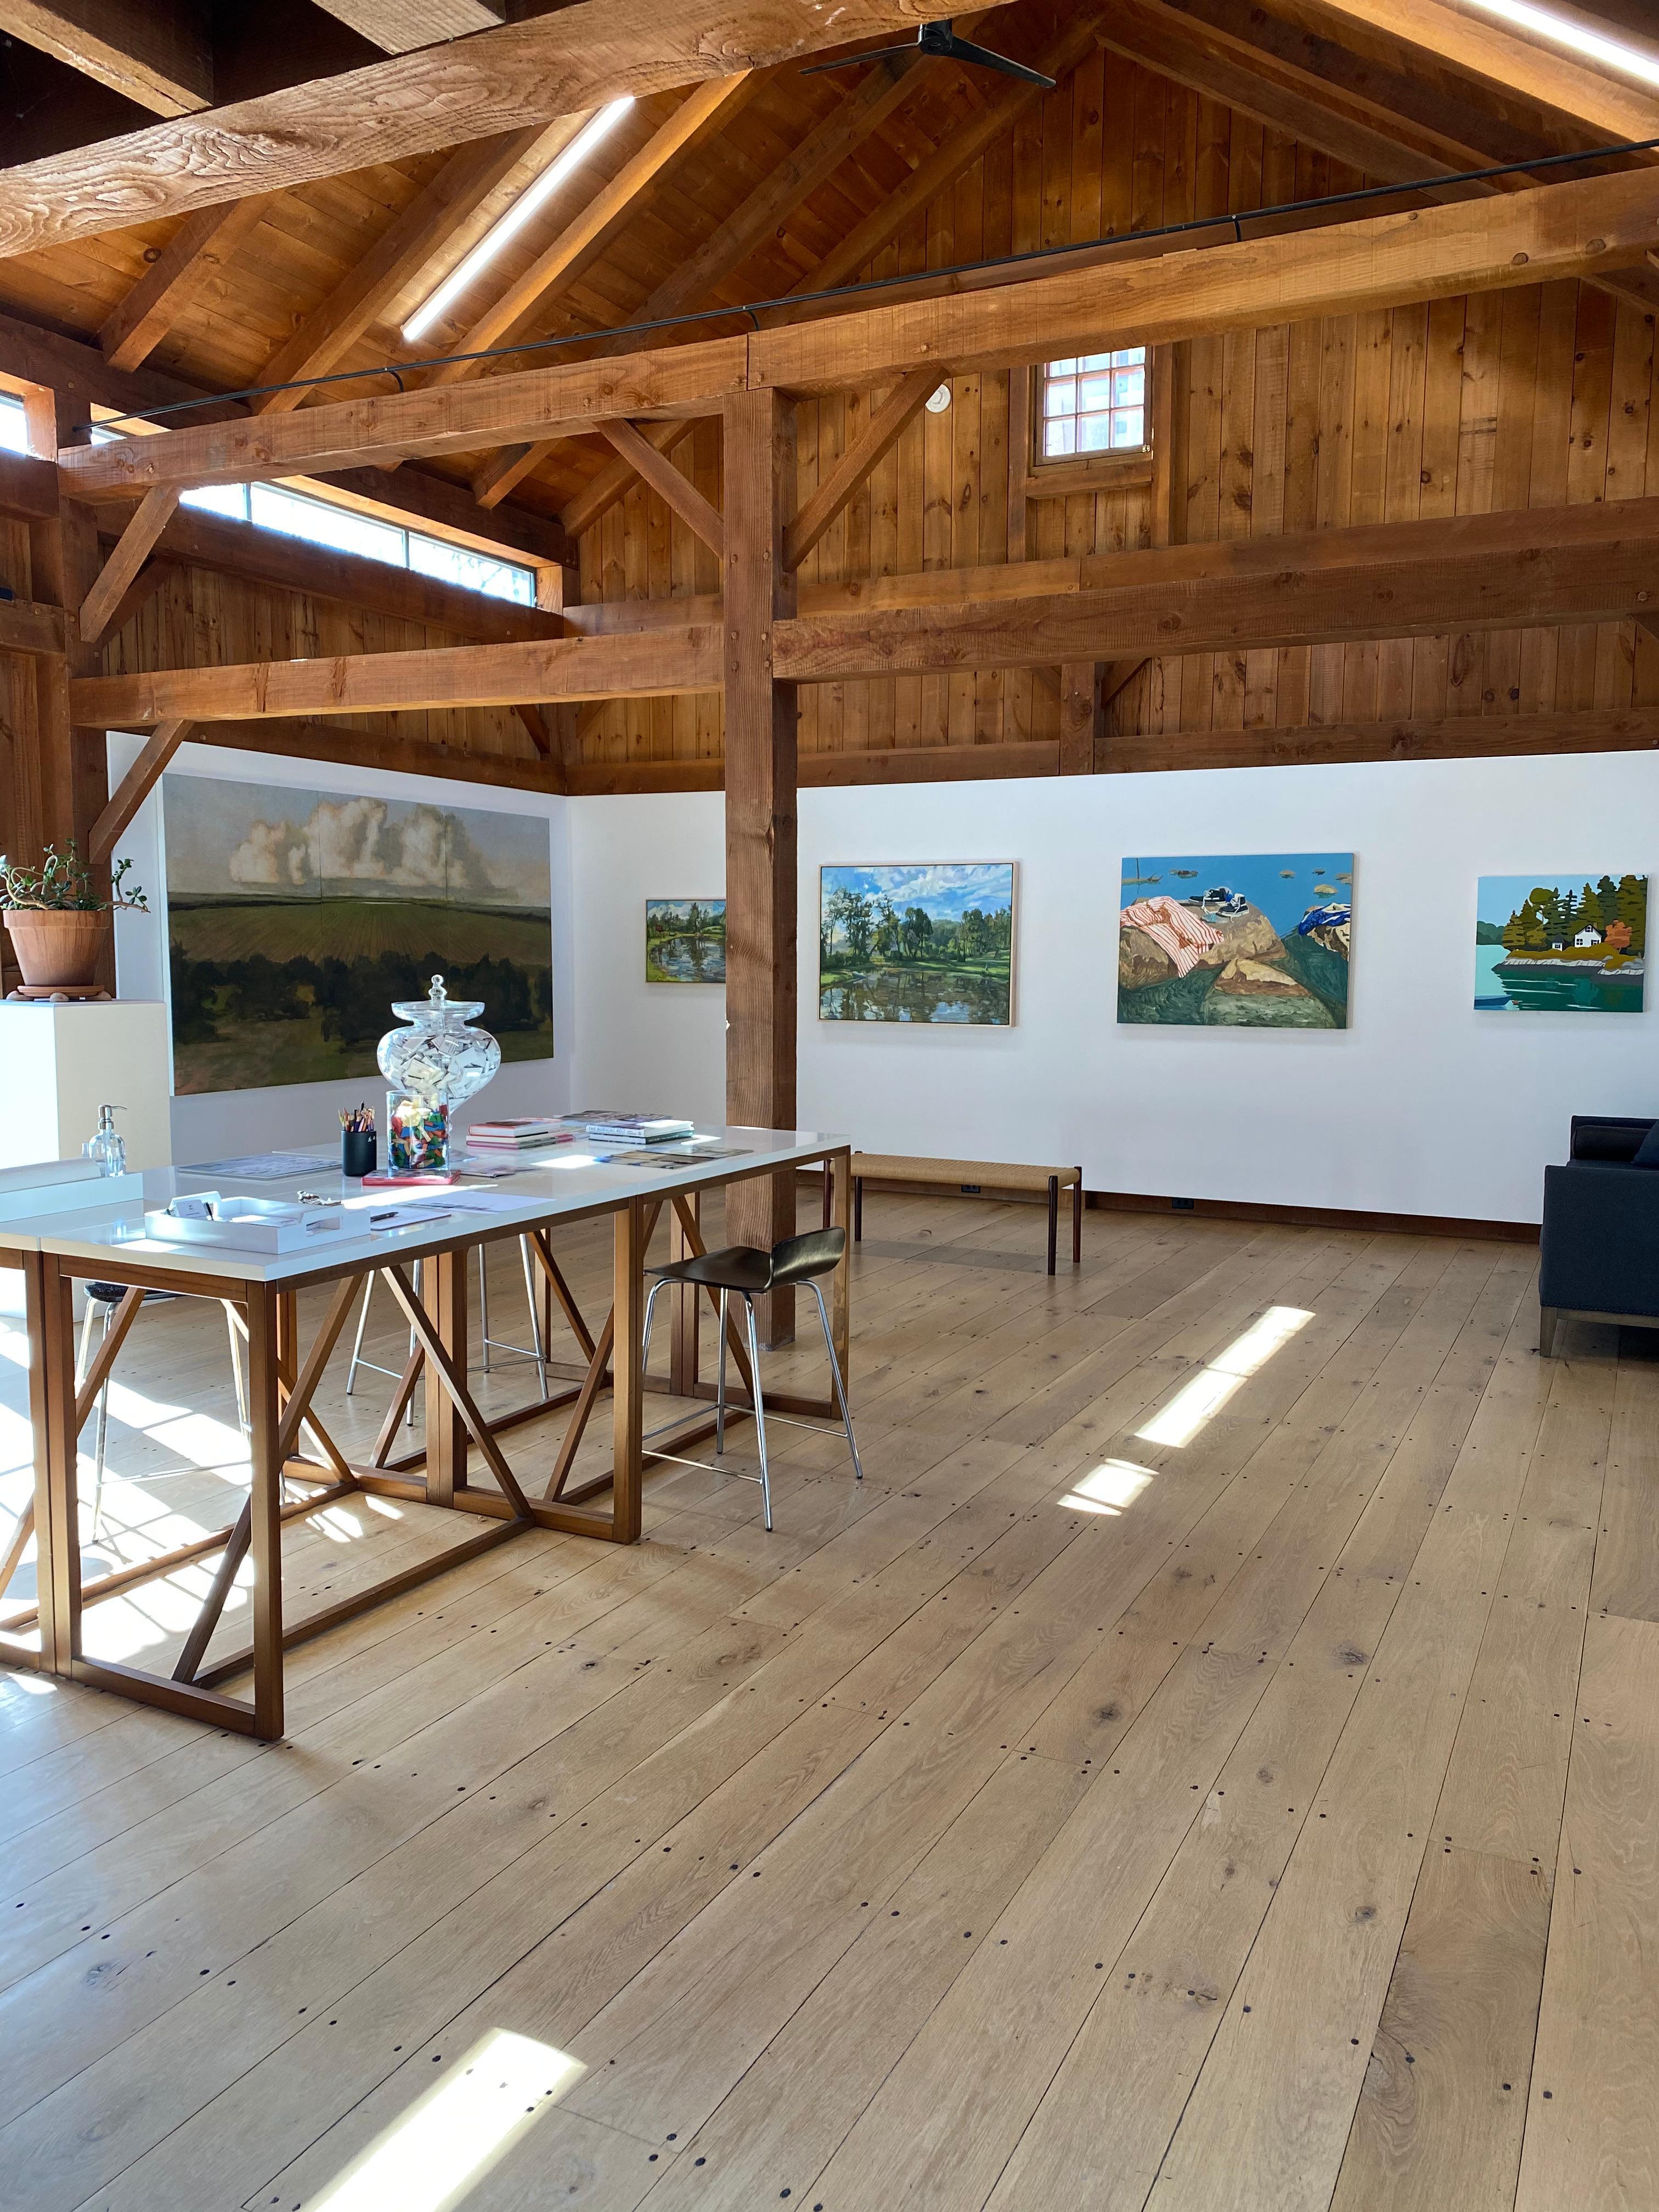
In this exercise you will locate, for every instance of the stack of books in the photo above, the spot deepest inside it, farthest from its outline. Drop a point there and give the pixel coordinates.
(636, 1129)
(530, 1133)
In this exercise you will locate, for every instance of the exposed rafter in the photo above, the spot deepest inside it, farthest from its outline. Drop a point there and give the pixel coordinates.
(521, 76)
(152, 52)
(399, 26)
(410, 243)
(202, 245)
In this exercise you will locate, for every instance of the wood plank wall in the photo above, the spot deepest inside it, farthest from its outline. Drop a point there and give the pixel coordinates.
(1524, 398)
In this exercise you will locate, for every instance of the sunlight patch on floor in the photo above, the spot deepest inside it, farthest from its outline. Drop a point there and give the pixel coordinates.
(1200, 1400)
(432, 2157)
(1107, 1488)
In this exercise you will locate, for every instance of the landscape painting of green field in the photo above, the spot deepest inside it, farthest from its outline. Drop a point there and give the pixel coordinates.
(295, 918)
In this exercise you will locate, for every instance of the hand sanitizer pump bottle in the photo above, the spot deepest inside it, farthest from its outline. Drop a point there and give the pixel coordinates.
(106, 1145)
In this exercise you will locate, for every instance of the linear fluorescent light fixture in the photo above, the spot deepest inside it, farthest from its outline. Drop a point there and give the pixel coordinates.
(598, 126)
(1576, 35)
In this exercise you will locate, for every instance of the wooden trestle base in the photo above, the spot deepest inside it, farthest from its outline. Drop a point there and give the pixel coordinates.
(280, 1386)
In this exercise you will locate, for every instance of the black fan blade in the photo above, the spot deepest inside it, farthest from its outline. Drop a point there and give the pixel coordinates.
(857, 61)
(964, 50)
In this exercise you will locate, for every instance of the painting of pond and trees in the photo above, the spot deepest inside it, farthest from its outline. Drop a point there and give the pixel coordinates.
(929, 943)
(295, 918)
(686, 940)
(1560, 945)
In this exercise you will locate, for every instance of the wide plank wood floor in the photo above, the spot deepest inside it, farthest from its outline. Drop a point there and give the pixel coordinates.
(1211, 1762)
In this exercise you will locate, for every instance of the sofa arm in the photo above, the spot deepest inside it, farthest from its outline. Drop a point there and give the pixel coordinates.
(1599, 1247)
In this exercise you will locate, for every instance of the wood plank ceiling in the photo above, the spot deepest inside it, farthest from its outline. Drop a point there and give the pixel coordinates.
(760, 186)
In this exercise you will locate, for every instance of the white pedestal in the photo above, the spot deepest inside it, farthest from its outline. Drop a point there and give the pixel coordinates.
(59, 1064)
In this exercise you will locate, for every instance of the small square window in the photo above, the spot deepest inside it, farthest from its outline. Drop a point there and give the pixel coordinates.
(1095, 404)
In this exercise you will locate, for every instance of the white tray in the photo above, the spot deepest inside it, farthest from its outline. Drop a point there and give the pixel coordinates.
(246, 1235)
(22, 1201)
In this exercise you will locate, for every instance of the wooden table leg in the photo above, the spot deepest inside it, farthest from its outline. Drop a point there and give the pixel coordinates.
(840, 1170)
(50, 1294)
(682, 1357)
(443, 1284)
(627, 1423)
(1054, 1219)
(269, 1339)
(1077, 1220)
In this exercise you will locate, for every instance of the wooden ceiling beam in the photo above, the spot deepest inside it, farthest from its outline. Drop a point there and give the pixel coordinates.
(591, 230)
(1614, 106)
(695, 282)
(1408, 580)
(398, 27)
(154, 53)
(1522, 238)
(357, 747)
(409, 243)
(203, 244)
(524, 74)
(133, 548)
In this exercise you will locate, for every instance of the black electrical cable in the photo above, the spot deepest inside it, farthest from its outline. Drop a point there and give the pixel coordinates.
(753, 309)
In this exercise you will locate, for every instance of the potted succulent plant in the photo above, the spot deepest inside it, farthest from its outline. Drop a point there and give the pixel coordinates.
(57, 917)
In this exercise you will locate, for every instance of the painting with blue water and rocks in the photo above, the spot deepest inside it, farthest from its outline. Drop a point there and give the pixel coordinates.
(1251, 940)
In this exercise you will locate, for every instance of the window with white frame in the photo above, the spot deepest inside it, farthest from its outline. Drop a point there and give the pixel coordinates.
(341, 529)
(1095, 403)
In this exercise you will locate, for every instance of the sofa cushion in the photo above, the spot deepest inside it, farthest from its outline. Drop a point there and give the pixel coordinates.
(1646, 1154)
(1608, 1141)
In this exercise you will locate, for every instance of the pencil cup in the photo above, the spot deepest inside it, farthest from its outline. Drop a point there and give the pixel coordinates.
(357, 1151)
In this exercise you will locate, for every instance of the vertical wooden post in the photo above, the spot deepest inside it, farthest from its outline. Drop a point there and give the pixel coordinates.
(443, 1293)
(761, 736)
(64, 563)
(270, 1337)
(1020, 380)
(625, 1373)
(682, 1344)
(1081, 717)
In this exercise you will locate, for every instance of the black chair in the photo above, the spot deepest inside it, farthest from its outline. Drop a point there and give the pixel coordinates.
(746, 1272)
(1599, 1247)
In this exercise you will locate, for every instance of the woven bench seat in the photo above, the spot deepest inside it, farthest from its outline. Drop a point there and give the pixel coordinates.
(972, 1178)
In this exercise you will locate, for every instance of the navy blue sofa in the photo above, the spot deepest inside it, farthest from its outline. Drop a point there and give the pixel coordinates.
(1599, 1244)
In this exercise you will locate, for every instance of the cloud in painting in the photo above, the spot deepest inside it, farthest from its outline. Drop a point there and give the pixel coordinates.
(257, 858)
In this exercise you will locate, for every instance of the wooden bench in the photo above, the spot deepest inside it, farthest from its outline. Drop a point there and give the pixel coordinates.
(972, 1178)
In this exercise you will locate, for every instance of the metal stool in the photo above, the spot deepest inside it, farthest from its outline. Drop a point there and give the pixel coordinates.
(102, 1299)
(535, 1350)
(743, 1269)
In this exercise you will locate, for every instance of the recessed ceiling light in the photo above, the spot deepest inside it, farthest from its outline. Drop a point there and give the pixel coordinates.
(1577, 35)
(599, 125)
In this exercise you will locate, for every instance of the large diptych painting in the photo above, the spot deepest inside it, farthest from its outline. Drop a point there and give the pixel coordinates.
(929, 943)
(686, 940)
(296, 917)
(1257, 940)
(1574, 943)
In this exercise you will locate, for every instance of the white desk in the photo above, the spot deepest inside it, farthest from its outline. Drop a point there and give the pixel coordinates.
(110, 1243)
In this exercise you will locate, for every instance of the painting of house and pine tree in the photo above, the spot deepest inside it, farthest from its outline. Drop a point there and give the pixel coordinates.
(929, 943)
(1258, 941)
(1571, 944)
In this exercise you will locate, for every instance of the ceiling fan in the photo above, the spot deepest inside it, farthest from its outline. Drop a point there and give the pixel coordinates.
(939, 41)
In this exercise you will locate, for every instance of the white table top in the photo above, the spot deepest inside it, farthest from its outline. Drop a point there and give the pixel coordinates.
(568, 1179)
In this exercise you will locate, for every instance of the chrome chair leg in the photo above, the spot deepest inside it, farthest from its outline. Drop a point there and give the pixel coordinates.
(84, 1361)
(719, 1395)
(841, 1389)
(536, 1338)
(106, 1315)
(357, 1359)
(645, 1333)
(760, 1407)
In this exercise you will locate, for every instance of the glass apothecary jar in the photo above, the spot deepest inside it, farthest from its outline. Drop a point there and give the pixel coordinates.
(441, 1060)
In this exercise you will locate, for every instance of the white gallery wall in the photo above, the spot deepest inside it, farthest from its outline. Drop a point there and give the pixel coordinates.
(213, 1124)
(1421, 1106)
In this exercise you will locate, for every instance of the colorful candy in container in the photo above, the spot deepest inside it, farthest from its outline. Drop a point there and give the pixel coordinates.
(417, 1136)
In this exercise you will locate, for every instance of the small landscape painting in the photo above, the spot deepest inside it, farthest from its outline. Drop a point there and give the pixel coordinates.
(1573, 944)
(295, 918)
(932, 942)
(1257, 940)
(686, 940)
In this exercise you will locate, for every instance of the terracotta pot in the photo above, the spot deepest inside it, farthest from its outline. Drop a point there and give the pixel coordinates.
(55, 948)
